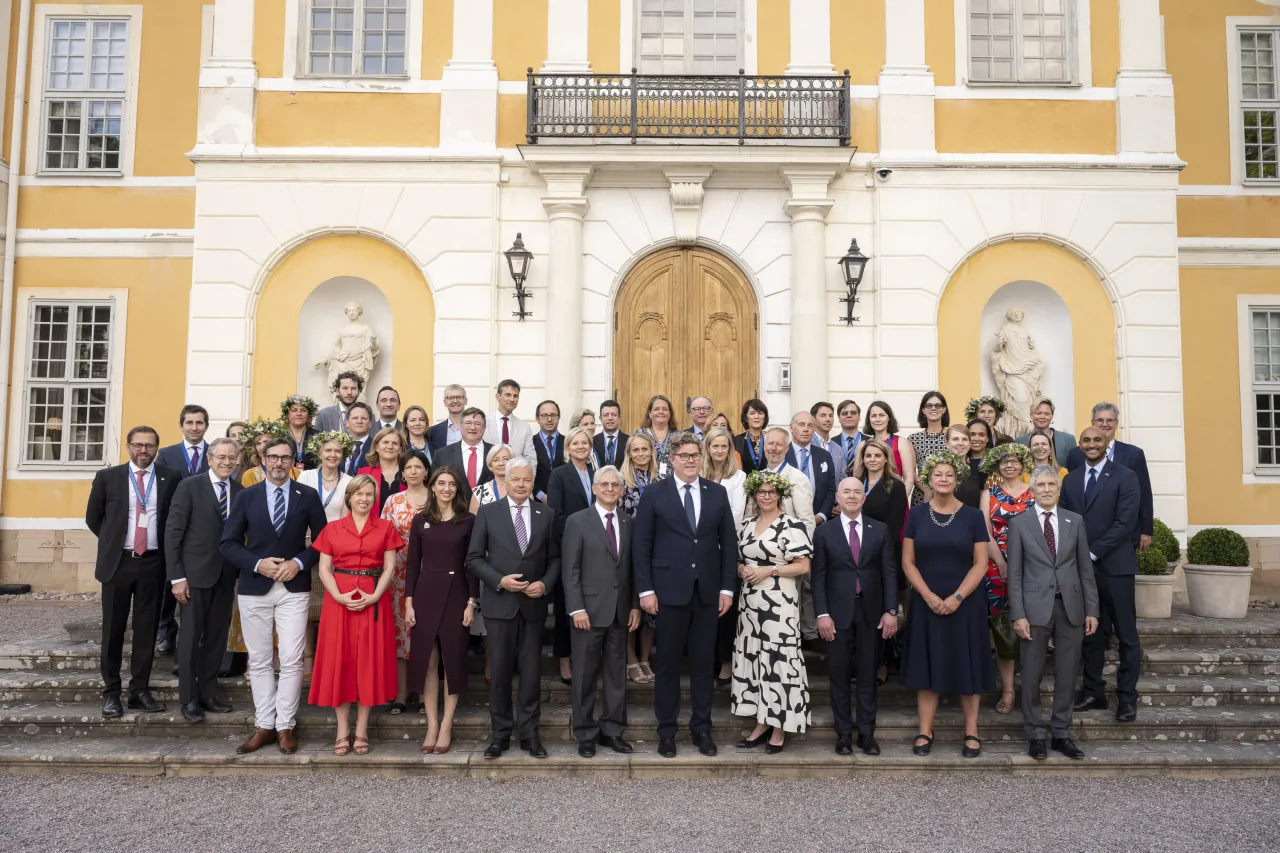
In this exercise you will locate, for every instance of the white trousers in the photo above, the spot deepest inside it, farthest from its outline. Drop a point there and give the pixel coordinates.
(275, 707)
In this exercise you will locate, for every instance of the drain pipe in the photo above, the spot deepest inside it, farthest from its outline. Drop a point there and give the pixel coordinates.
(11, 227)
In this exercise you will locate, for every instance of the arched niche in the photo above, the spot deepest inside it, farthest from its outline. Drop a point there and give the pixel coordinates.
(1048, 321)
(323, 316)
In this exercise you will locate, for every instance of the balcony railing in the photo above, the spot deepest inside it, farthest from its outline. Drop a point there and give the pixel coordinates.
(800, 109)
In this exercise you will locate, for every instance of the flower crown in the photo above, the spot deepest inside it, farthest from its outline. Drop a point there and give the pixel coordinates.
(971, 410)
(299, 400)
(260, 426)
(319, 440)
(947, 457)
(991, 460)
(756, 479)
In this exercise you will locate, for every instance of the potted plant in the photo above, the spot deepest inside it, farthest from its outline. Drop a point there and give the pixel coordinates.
(1162, 539)
(1218, 573)
(1153, 586)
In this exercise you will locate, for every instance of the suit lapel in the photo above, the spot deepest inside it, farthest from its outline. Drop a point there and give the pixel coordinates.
(1044, 543)
(597, 525)
(1103, 477)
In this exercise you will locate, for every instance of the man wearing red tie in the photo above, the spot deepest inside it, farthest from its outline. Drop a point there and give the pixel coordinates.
(505, 428)
(470, 456)
(187, 458)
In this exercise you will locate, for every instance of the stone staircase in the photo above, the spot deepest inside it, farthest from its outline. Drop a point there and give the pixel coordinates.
(1210, 707)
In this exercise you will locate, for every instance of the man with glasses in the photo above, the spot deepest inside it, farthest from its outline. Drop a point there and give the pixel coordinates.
(548, 445)
(1106, 418)
(449, 430)
(849, 438)
(265, 538)
(701, 408)
(127, 510)
(202, 580)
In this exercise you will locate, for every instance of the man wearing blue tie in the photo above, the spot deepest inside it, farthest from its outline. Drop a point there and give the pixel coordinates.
(359, 419)
(188, 457)
(850, 436)
(610, 443)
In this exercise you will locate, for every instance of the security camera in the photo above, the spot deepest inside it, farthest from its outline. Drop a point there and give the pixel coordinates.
(883, 174)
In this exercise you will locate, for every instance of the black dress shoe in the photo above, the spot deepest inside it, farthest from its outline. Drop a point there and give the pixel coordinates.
(214, 706)
(193, 713)
(1090, 703)
(1036, 749)
(175, 669)
(723, 682)
(844, 745)
(587, 749)
(705, 744)
(1066, 746)
(496, 747)
(534, 747)
(111, 707)
(143, 701)
(1126, 712)
(868, 745)
(616, 743)
(667, 747)
(164, 646)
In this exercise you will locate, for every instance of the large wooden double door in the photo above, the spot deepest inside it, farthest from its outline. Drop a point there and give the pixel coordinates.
(685, 324)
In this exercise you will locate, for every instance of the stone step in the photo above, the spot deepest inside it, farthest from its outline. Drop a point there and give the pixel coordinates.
(153, 756)
(83, 719)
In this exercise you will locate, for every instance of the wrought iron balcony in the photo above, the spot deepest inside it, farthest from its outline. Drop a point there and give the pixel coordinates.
(783, 109)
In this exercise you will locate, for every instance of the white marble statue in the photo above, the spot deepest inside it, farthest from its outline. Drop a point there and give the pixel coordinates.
(1017, 368)
(355, 351)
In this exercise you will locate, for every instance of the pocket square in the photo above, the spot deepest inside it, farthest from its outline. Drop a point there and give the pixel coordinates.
(823, 467)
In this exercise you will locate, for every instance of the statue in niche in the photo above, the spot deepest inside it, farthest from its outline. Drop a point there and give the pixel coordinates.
(1017, 368)
(355, 351)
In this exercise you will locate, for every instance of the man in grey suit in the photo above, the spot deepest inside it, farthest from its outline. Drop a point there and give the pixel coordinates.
(596, 560)
(346, 388)
(1052, 593)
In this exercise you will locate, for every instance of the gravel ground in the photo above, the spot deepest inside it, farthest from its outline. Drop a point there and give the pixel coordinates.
(23, 617)
(883, 814)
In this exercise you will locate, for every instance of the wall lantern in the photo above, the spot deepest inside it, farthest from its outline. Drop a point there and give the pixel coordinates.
(518, 258)
(853, 265)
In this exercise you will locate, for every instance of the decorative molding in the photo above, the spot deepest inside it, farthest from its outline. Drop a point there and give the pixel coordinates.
(686, 201)
(1229, 252)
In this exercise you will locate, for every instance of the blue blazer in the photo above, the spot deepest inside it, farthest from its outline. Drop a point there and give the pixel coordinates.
(175, 456)
(824, 477)
(1131, 457)
(438, 435)
(1110, 517)
(668, 558)
(249, 536)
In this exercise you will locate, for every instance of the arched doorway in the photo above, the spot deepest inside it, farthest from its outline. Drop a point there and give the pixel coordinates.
(685, 324)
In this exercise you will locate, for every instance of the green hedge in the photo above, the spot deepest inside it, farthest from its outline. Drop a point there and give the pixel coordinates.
(1218, 546)
(1163, 540)
(1152, 562)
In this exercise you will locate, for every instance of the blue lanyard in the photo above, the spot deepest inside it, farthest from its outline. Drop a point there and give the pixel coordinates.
(320, 481)
(550, 448)
(142, 499)
(756, 451)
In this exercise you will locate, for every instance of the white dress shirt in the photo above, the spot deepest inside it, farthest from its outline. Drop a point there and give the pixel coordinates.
(153, 535)
(845, 521)
(519, 436)
(796, 448)
(1053, 520)
(604, 522)
(521, 510)
(215, 480)
(187, 447)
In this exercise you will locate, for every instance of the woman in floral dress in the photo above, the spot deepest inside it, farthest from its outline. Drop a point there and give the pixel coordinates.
(1007, 498)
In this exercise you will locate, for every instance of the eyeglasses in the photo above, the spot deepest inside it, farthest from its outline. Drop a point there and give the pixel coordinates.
(610, 485)
(222, 457)
(766, 493)
(454, 398)
(275, 457)
(933, 406)
(139, 446)
(700, 409)
(688, 457)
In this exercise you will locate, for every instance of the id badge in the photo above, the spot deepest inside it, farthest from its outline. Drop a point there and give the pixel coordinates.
(143, 522)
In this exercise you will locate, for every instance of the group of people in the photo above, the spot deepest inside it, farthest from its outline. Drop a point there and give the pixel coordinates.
(950, 553)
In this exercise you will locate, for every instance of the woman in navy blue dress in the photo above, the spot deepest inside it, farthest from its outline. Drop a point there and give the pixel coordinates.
(948, 646)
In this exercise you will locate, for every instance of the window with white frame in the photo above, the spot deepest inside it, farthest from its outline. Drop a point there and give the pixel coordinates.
(84, 94)
(68, 380)
(357, 38)
(1260, 104)
(1264, 329)
(689, 37)
(1021, 41)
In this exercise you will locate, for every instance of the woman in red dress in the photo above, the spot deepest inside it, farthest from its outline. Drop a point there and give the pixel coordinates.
(439, 604)
(356, 649)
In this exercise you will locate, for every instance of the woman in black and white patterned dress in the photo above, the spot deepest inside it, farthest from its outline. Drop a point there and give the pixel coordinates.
(769, 678)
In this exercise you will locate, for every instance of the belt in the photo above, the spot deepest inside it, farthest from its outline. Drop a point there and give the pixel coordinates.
(135, 555)
(362, 573)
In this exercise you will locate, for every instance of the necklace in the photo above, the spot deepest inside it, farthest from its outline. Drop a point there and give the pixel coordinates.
(934, 518)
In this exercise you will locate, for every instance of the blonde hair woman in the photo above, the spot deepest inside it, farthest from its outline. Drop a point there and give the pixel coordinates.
(1042, 453)
(640, 470)
(720, 464)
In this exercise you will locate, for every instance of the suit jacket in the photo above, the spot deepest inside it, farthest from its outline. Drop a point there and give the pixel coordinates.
(1063, 444)
(824, 478)
(177, 457)
(843, 441)
(1131, 457)
(329, 419)
(438, 435)
(593, 580)
(249, 536)
(1034, 574)
(546, 464)
(359, 450)
(107, 513)
(834, 578)
(619, 450)
(565, 495)
(193, 531)
(1110, 516)
(519, 434)
(451, 457)
(669, 558)
(376, 426)
(495, 553)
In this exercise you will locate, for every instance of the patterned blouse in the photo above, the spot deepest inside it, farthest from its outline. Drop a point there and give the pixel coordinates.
(925, 443)
(1004, 507)
(631, 496)
(782, 542)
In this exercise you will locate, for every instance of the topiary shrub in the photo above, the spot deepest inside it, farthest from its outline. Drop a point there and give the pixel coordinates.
(1152, 562)
(1163, 540)
(1217, 546)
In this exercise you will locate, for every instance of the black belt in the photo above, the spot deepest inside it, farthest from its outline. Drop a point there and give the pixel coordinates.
(362, 573)
(151, 552)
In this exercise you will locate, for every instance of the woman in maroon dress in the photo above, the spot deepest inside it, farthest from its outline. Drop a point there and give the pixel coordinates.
(439, 604)
(356, 649)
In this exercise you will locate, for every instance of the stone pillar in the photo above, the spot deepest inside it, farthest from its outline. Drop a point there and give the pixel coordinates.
(566, 205)
(469, 85)
(906, 84)
(567, 37)
(228, 78)
(810, 37)
(1144, 90)
(808, 207)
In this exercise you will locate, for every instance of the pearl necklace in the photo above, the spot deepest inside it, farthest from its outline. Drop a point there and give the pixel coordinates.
(934, 518)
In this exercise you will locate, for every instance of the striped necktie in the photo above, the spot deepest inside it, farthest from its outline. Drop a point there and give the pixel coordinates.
(223, 503)
(277, 511)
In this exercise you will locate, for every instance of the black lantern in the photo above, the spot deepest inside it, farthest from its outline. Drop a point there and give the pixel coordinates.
(518, 258)
(853, 265)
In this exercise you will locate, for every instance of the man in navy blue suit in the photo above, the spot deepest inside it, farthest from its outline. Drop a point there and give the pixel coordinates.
(449, 430)
(1107, 495)
(188, 457)
(1106, 417)
(685, 558)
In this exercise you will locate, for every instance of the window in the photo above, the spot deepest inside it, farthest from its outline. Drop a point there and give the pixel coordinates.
(84, 94)
(1021, 41)
(689, 37)
(1260, 104)
(68, 380)
(364, 38)
(1265, 330)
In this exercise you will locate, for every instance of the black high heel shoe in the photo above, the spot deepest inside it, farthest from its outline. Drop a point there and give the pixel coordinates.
(772, 748)
(968, 751)
(752, 743)
(922, 748)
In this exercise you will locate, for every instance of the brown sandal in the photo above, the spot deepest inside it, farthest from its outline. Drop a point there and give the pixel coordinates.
(1005, 705)
(362, 745)
(342, 746)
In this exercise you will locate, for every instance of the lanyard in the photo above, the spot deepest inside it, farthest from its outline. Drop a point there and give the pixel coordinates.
(550, 448)
(642, 480)
(756, 451)
(320, 481)
(142, 499)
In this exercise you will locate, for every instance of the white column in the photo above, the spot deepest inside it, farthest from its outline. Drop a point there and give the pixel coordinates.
(1144, 90)
(469, 85)
(810, 308)
(810, 37)
(906, 84)
(228, 78)
(566, 206)
(567, 37)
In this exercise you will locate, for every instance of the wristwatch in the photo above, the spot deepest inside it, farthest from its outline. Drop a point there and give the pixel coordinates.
(775, 571)
(959, 597)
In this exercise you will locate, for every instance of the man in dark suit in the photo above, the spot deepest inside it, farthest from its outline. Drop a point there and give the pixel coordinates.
(449, 430)
(388, 405)
(265, 538)
(346, 388)
(596, 557)
(359, 426)
(1106, 418)
(855, 593)
(201, 579)
(685, 554)
(548, 446)
(188, 457)
(127, 510)
(515, 556)
(1107, 494)
(470, 456)
(610, 443)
